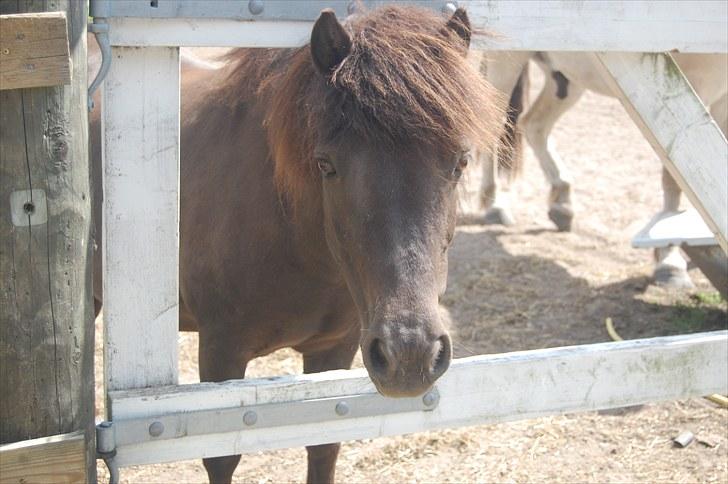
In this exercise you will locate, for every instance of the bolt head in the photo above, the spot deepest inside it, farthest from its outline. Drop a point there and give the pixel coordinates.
(250, 418)
(256, 7)
(342, 408)
(156, 429)
(430, 398)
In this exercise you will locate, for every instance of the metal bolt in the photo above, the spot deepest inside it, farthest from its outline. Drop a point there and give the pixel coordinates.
(29, 67)
(6, 51)
(256, 7)
(105, 437)
(430, 399)
(156, 429)
(449, 8)
(250, 418)
(342, 408)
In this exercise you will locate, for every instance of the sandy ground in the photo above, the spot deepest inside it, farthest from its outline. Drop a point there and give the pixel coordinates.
(530, 287)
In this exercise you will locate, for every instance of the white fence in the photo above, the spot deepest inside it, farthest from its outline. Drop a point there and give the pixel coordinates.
(141, 234)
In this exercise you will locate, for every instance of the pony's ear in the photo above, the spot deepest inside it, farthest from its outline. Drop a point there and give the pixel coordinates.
(459, 24)
(330, 43)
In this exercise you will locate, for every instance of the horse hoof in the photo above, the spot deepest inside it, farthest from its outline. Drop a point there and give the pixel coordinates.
(562, 217)
(672, 278)
(498, 216)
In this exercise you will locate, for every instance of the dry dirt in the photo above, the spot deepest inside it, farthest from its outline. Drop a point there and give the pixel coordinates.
(529, 287)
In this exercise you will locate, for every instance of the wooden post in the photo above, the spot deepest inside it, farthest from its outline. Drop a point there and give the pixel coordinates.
(46, 306)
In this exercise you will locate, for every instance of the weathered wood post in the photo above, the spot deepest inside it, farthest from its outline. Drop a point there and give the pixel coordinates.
(46, 306)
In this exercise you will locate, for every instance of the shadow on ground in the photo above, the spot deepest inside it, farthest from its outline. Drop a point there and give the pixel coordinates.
(501, 302)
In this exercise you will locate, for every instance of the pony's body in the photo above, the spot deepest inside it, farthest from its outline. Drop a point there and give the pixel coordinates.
(313, 214)
(280, 304)
(567, 75)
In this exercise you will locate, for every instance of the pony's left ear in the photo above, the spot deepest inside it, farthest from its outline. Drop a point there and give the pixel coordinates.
(330, 43)
(459, 24)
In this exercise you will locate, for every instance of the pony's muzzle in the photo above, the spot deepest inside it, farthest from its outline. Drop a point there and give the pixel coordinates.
(406, 367)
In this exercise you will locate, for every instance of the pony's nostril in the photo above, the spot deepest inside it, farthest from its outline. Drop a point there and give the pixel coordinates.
(442, 351)
(377, 356)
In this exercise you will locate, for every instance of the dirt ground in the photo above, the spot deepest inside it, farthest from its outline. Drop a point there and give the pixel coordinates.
(528, 287)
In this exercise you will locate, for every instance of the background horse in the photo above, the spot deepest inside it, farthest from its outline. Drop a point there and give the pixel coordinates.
(318, 200)
(567, 75)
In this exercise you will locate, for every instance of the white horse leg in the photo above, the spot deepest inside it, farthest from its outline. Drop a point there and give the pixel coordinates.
(557, 97)
(502, 70)
(671, 269)
(494, 196)
(670, 266)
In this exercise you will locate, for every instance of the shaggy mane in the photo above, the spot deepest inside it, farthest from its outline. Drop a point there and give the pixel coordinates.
(405, 82)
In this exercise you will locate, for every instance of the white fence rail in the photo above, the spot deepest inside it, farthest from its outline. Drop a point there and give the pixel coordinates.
(141, 235)
(618, 25)
(207, 420)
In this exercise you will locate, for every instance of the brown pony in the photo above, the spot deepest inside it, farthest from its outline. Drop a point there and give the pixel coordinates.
(318, 197)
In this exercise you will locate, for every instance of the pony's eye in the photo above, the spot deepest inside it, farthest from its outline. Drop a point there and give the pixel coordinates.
(463, 160)
(327, 169)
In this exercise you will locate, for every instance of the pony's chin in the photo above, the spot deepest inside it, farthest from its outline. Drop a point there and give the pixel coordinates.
(400, 391)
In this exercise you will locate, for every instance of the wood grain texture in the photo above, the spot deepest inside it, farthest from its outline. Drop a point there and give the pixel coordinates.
(141, 217)
(46, 310)
(682, 132)
(545, 25)
(58, 459)
(34, 50)
(476, 390)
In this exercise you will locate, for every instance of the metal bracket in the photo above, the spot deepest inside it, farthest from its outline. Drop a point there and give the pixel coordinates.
(106, 448)
(28, 207)
(187, 424)
(100, 28)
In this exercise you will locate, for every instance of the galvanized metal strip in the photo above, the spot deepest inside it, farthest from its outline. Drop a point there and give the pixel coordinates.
(295, 10)
(188, 424)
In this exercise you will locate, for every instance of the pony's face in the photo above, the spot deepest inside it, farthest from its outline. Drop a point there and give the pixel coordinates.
(389, 217)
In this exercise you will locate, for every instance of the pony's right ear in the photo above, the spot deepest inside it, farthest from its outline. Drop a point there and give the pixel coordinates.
(330, 43)
(459, 24)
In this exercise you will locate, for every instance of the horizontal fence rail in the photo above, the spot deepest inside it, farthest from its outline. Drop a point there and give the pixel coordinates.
(242, 416)
(545, 25)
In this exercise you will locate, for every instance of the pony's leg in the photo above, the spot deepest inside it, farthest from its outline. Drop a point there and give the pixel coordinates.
(671, 269)
(221, 359)
(558, 96)
(495, 200)
(322, 458)
(503, 71)
(670, 266)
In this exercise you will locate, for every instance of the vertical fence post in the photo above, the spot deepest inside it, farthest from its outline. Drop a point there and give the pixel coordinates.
(46, 308)
(140, 125)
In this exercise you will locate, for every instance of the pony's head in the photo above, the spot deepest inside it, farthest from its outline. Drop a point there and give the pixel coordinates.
(386, 111)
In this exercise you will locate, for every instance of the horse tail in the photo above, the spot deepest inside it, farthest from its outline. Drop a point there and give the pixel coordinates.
(510, 152)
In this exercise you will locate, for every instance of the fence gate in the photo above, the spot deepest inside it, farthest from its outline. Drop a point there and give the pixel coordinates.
(156, 420)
